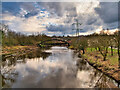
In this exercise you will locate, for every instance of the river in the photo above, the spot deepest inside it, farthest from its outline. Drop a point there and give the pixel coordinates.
(58, 67)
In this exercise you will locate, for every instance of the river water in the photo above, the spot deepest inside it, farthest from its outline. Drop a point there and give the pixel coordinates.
(58, 67)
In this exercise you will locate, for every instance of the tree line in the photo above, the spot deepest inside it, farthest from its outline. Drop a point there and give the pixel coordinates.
(100, 42)
(12, 38)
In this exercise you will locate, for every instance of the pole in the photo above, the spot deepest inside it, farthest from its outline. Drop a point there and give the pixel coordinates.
(77, 27)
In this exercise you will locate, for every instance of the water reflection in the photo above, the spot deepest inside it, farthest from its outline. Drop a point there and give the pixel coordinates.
(58, 67)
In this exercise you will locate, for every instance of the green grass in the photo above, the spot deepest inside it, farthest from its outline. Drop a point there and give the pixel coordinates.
(89, 49)
(112, 59)
(114, 50)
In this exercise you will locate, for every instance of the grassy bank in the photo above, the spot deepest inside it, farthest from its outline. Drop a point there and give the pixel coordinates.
(17, 50)
(109, 67)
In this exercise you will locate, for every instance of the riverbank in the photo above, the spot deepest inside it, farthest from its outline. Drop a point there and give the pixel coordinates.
(110, 67)
(17, 50)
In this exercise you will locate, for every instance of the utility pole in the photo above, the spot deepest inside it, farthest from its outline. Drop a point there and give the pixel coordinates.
(77, 27)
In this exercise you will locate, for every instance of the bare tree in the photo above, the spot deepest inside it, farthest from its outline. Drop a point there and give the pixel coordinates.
(103, 44)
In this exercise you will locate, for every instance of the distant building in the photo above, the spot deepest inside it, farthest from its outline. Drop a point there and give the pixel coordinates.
(102, 32)
(108, 32)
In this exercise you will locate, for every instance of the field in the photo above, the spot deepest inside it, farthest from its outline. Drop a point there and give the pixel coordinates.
(110, 66)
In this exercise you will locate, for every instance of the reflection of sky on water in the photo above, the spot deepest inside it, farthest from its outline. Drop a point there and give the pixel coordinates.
(58, 70)
(57, 66)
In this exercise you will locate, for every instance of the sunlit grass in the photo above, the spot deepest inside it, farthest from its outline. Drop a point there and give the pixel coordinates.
(90, 49)
(90, 54)
(114, 49)
(113, 59)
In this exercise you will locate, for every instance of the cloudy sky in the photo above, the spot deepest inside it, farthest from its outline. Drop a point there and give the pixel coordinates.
(57, 17)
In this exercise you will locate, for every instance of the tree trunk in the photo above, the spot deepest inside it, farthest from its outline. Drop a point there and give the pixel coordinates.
(119, 48)
(104, 58)
(96, 49)
(91, 49)
(119, 52)
(111, 50)
(83, 51)
(105, 55)
(99, 49)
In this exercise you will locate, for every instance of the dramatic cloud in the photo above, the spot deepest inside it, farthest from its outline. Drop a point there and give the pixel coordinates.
(60, 8)
(23, 25)
(57, 17)
(108, 11)
(60, 28)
